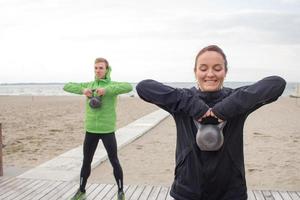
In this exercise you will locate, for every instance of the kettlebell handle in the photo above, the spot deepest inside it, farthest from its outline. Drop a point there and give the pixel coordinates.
(93, 94)
(93, 90)
(220, 125)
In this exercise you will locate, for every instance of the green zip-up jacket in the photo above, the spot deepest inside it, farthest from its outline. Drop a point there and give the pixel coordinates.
(101, 120)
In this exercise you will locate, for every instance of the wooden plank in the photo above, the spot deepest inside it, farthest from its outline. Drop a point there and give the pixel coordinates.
(146, 192)
(154, 193)
(276, 195)
(109, 193)
(9, 186)
(104, 191)
(112, 193)
(56, 191)
(251, 195)
(5, 180)
(15, 189)
(162, 193)
(96, 191)
(23, 189)
(130, 191)
(27, 189)
(169, 196)
(2, 178)
(294, 195)
(285, 195)
(268, 195)
(38, 183)
(258, 195)
(91, 188)
(137, 193)
(71, 192)
(69, 187)
(39, 192)
(51, 186)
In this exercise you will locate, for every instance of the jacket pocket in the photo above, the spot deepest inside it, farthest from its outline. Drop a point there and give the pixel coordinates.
(181, 160)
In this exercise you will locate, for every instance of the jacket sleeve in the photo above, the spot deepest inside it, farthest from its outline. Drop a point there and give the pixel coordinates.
(171, 99)
(75, 88)
(245, 100)
(117, 88)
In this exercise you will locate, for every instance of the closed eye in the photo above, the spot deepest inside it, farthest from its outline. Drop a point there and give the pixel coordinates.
(218, 68)
(203, 68)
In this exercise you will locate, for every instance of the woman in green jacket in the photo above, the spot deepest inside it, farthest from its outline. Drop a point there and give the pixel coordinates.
(100, 121)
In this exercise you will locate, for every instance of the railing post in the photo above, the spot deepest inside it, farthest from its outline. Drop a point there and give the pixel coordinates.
(1, 163)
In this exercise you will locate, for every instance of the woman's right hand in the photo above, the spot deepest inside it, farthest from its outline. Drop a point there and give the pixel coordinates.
(87, 92)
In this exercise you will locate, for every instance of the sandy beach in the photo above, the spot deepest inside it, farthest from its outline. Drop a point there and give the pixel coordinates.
(36, 129)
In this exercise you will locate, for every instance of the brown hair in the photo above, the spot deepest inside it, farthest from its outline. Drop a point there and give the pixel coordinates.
(211, 48)
(102, 60)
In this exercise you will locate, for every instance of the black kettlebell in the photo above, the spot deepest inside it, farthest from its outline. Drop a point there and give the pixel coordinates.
(210, 135)
(95, 101)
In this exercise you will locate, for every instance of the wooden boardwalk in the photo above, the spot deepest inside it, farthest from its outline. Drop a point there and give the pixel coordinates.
(31, 189)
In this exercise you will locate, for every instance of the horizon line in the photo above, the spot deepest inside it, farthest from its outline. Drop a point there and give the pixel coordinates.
(61, 83)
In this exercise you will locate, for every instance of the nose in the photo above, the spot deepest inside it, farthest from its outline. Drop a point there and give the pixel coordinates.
(210, 73)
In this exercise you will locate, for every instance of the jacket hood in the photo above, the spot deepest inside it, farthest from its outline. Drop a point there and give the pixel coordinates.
(107, 75)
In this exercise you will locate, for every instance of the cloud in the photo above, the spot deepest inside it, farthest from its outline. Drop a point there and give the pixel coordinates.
(260, 26)
(248, 26)
(273, 26)
(151, 34)
(94, 20)
(290, 1)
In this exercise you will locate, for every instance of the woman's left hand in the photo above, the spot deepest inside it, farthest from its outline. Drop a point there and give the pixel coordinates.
(100, 91)
(213, 115)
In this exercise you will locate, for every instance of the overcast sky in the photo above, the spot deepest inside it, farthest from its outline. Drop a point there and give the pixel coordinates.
(58, 40)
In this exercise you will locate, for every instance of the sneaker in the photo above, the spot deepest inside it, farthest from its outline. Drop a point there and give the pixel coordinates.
(79, 196)
(121, 195)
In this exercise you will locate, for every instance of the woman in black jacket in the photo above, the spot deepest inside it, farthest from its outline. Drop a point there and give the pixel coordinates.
(210, 175)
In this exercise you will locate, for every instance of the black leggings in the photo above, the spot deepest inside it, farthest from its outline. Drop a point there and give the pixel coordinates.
(89, 147)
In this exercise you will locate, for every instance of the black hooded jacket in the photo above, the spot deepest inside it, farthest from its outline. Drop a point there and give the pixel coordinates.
(201, 174)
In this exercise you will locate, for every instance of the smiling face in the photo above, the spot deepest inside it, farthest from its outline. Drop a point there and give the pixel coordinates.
(210, 71)
(100, 70)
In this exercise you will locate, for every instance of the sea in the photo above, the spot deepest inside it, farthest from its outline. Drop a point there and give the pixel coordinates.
(56, 89)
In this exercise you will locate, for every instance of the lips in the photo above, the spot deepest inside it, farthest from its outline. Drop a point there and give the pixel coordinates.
(210, 81)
